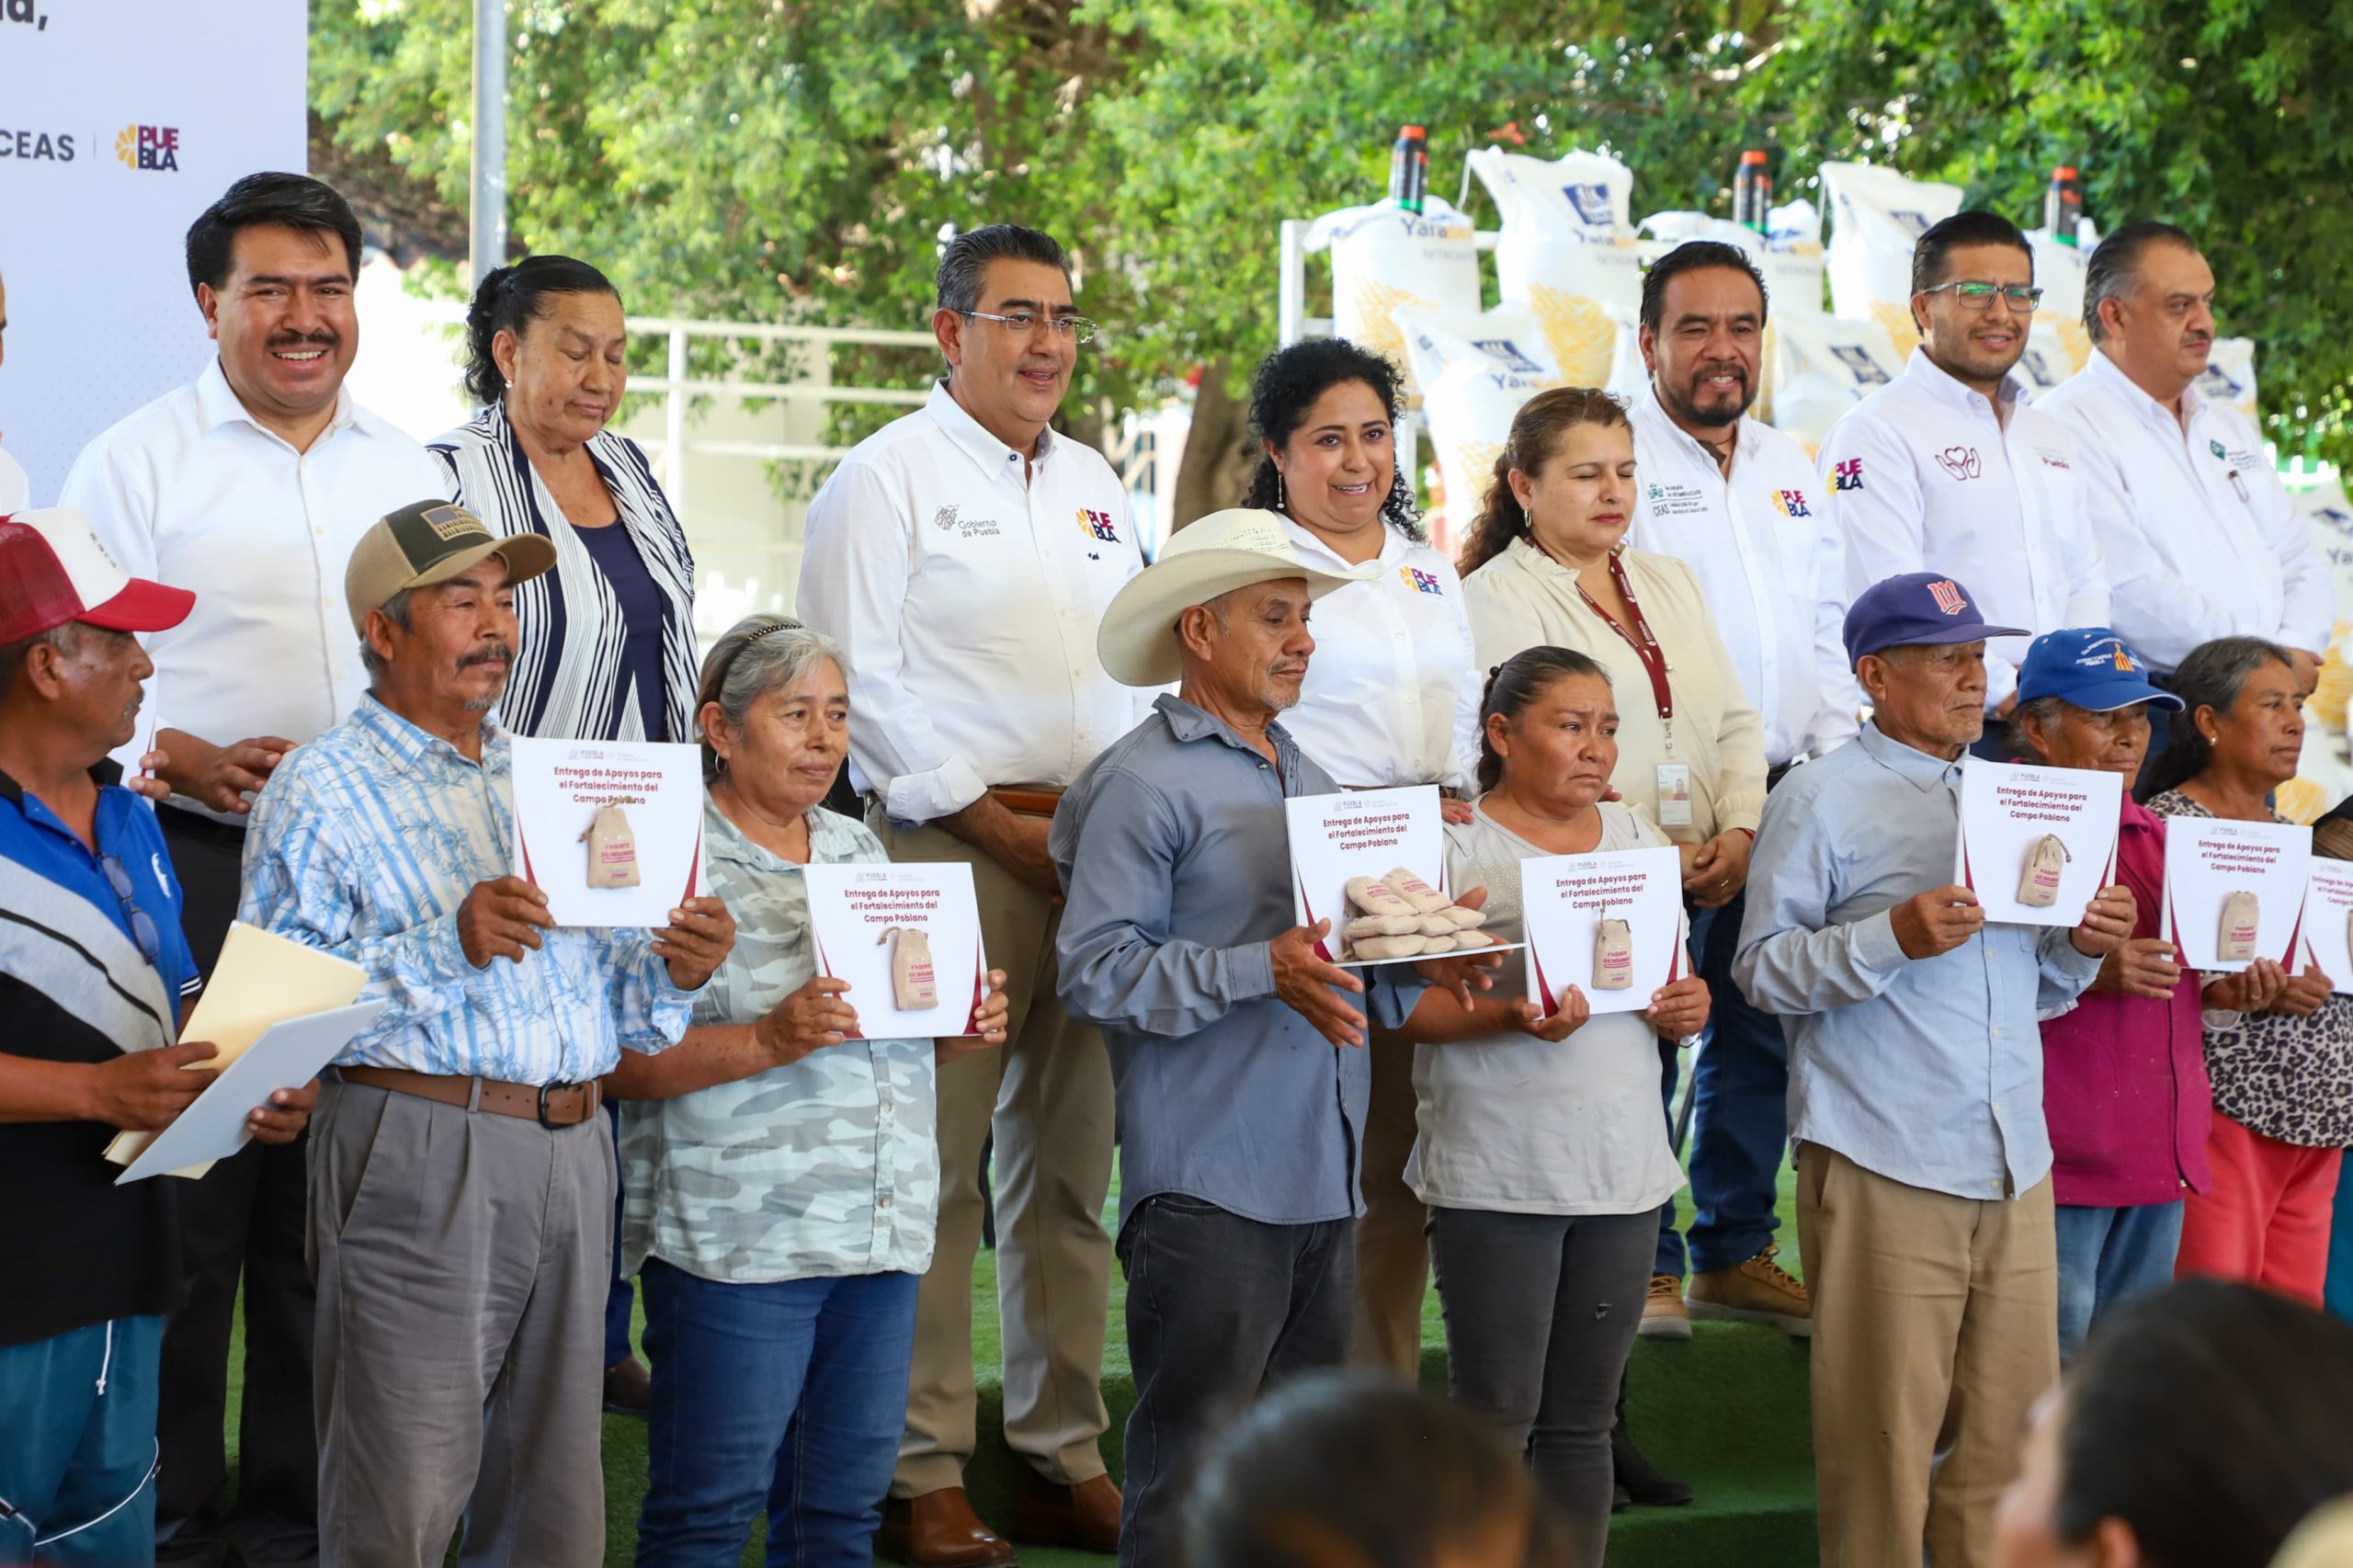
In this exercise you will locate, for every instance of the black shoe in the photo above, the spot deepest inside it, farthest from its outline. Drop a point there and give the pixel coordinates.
(1619, 1500)
(1638, 1479)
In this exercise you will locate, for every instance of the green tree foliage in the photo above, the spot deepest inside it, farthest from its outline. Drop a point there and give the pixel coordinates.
(773, 159)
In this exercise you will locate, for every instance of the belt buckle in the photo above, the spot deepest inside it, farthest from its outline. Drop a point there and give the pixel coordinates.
(546, 1089)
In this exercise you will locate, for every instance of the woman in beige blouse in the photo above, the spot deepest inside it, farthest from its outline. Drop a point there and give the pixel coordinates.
(1545, 564)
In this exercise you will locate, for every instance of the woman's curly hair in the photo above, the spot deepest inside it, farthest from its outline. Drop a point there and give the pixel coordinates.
(1285, 385)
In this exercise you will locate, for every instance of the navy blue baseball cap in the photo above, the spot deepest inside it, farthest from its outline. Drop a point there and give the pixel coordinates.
(1918, 607)
(2091, 667)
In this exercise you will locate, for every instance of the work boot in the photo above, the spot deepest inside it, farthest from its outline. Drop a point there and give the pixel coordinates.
(1664, 1315)
(1759, 1290)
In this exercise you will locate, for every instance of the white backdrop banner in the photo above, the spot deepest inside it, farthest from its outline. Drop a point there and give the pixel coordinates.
(119, 121)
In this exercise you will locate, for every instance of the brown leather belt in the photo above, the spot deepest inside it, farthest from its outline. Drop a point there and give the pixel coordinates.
(549, 1105)
(1028, 802)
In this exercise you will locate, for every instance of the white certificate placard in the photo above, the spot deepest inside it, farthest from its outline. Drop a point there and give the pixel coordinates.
(287, 1055)
(1359, 833)
(1564, 898)
(871, 923)
(559, 787)
(2008, 810)
(2328, 920)
(2207, 860)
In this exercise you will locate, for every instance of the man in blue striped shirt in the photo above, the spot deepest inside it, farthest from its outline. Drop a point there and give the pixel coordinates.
(461, 1190)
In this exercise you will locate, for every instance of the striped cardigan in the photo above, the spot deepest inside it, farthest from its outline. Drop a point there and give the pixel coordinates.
(567, 680)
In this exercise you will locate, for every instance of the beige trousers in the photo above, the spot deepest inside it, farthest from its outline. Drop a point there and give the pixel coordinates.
(1048, 1097)
(1392, 1256)
(1936, 1328)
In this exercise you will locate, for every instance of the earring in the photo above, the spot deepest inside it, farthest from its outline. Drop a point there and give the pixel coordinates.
(1282, 501)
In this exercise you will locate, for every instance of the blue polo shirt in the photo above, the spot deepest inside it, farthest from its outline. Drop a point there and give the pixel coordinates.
(81, 1250)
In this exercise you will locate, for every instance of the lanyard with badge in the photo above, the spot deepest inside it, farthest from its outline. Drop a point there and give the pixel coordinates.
(1674, 778)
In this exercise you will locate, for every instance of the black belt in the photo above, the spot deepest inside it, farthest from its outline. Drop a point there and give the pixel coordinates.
(179, 819)
(1773, 776)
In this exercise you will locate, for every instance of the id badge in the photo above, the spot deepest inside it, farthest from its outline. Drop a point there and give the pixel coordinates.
(1674, 795)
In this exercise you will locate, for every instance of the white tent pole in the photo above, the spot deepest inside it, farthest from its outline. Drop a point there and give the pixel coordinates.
(486, 220)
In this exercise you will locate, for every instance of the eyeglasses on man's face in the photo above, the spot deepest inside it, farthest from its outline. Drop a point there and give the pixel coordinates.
(1977, 296)
(1025, 324)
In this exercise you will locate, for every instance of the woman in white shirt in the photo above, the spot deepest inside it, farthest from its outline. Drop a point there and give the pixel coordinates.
(1545, 1165)
(1392, 697)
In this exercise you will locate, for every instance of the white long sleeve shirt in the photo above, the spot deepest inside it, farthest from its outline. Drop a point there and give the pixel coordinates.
(1927, 477)
(1765, 544)
(967, 596)
(2198, 535)
(194, 492)
(1391, 694)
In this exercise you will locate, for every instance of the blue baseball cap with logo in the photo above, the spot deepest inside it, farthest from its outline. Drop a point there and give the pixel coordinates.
(1918, 607)
(2091, 667)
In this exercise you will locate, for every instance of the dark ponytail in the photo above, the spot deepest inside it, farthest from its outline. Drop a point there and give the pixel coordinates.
(1518, 682)
(511, 298)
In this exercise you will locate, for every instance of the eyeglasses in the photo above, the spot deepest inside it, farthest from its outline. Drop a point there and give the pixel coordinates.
(143, 925)
(1980, 296)
(1021, 323)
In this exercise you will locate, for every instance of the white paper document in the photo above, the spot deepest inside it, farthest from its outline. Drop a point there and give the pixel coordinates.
(907, 937)
(2010, 814)
(286, 1056)
(1566, 899)
(2234, 891)
(2328, 920)
(611, 831)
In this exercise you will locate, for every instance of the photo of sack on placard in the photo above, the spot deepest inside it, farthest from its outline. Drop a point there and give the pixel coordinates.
(1402, 916)
(2038, 884)
(913, 983)
(2236, 942)
(1613, 954)
(612, 847)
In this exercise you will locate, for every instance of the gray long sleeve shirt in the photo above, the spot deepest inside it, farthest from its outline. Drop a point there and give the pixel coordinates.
(1176, 859)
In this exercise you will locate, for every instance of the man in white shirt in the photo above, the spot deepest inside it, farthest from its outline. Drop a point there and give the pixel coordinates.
(1740, 501)
(2198, 539)
(16, 492)
(250, 486)
(1947, 470)
(964, 556)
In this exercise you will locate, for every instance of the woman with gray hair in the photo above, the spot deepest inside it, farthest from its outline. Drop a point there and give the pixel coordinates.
(2283, 1075)
(782, 1172)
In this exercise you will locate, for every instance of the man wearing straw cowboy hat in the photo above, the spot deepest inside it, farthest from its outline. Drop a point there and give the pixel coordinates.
(1236, 1050)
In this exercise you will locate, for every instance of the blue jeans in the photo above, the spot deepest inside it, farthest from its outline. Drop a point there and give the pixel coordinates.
(794, 1393)
(1740, 1114)
(78, 1447)
(622, 1297)
(2107, 1257)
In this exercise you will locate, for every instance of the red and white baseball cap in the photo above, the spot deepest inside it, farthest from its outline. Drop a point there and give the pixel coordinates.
(54, 569)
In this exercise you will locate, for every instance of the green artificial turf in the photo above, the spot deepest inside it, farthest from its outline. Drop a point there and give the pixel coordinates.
(1726, 1410)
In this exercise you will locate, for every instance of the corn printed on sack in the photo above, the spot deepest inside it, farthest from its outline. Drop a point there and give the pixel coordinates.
(1385, 259)
(1876, 217)
(1566, 251)
(1475, 369)
(1823, 365)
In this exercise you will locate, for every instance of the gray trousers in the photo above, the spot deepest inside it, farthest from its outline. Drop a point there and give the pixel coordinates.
(461, 1262)
(1540, 1312)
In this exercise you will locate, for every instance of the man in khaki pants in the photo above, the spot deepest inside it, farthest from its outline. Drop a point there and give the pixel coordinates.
(963, 555)
(1916, 1098)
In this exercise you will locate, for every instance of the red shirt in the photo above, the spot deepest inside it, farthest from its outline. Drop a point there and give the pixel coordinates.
(2124, 1077)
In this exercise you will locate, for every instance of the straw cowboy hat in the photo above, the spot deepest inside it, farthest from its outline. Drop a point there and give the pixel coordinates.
(1213, 555)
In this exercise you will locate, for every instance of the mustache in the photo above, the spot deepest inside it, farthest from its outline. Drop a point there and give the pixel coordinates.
(494, 652)
(319, 339)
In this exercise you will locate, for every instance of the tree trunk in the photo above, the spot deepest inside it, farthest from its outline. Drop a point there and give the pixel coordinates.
(1219, 453)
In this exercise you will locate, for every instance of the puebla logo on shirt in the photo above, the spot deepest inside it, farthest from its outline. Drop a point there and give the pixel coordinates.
(1791, 503)
(1420, 581)
(1097, 526)
(1962, 462)
(1847, 475)
(950, 519)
